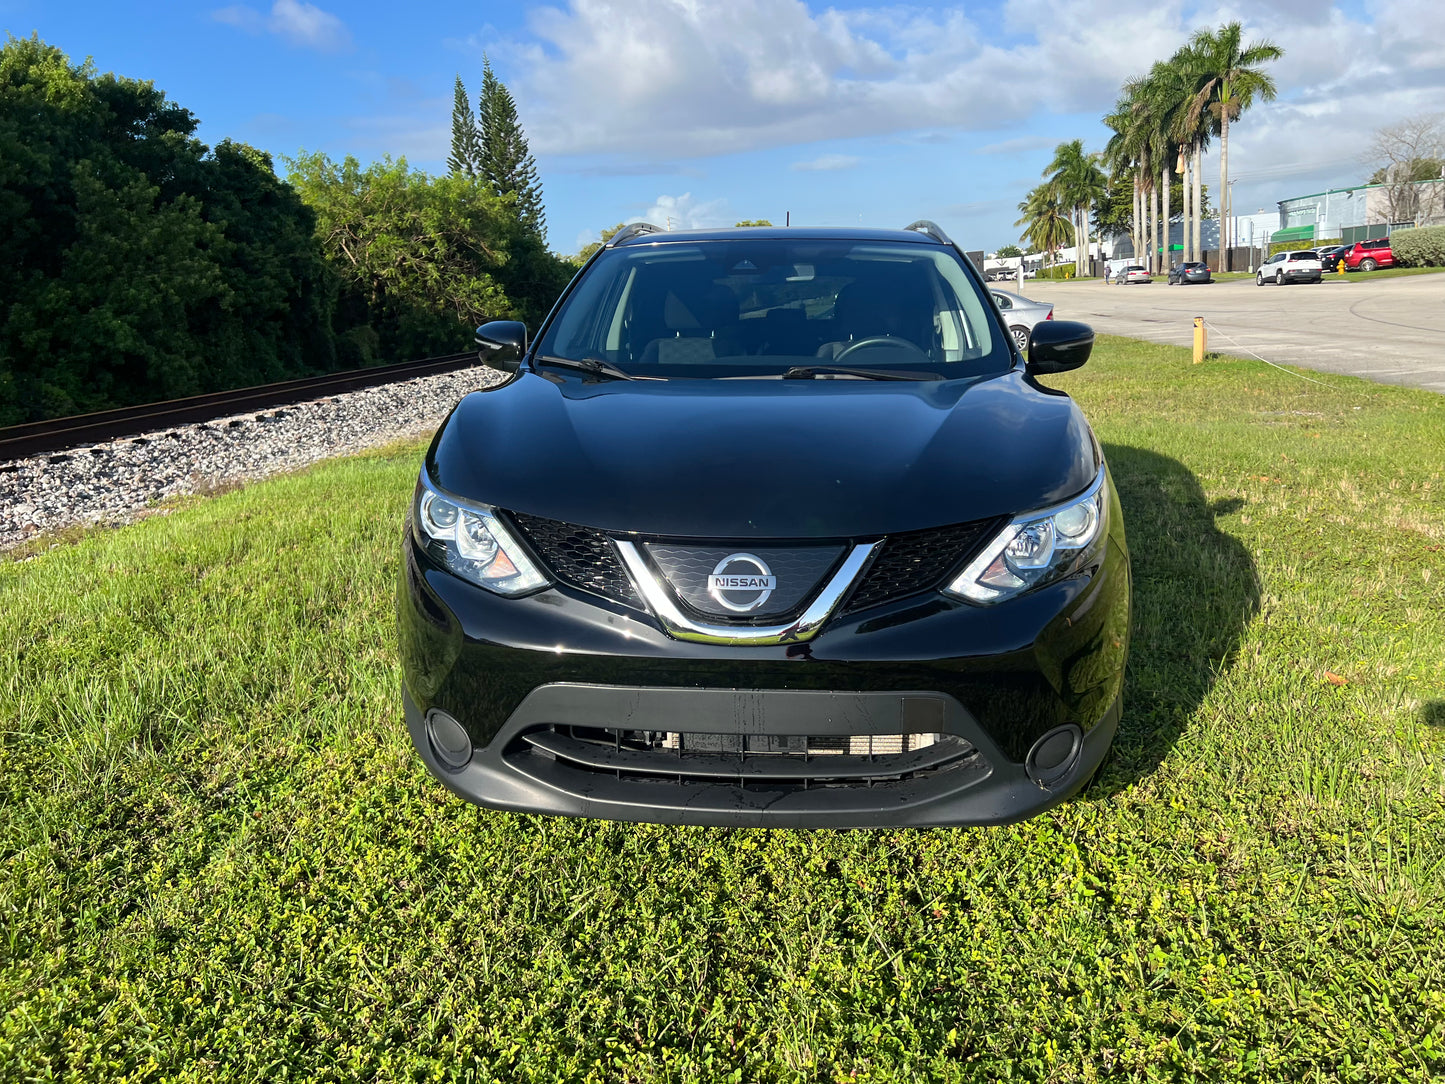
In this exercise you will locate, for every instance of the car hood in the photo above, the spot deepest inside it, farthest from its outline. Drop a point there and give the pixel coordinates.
(765, 458)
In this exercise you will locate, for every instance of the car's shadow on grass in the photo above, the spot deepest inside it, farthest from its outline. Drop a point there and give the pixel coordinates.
(1195, 590)
(1433, 713)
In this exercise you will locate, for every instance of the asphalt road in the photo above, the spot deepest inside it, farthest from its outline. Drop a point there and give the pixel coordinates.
(1391, 329)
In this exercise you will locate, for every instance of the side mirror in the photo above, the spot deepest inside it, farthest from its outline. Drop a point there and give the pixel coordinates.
(1056, 346)
(502, 342)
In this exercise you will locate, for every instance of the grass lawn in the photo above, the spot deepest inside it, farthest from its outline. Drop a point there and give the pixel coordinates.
(223, 862)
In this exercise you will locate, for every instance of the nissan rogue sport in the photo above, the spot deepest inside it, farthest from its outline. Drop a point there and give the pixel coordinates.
(768, 527)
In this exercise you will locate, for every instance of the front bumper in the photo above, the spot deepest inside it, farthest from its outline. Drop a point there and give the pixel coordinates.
(995, 681)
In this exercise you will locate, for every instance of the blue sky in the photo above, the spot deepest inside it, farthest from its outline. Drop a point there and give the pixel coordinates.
(707, 112)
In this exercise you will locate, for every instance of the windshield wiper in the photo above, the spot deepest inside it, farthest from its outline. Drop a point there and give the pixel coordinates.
(595, 366)
(808, 372)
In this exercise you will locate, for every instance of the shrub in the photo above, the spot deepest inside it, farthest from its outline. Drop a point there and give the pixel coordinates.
(1291, 246)
(1062, 271)
(1420, 247)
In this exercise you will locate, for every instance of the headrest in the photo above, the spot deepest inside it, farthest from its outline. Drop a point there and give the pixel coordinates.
(676, 315)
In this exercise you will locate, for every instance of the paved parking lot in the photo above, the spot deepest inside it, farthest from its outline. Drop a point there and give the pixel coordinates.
(1391, 330)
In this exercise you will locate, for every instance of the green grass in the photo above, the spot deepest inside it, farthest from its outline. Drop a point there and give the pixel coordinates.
(223, 862)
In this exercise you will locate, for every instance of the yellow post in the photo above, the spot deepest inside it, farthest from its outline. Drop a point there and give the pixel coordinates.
(1201, 339)
(1340, 265)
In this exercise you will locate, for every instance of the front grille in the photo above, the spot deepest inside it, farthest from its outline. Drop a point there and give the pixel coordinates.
(918, 561)
(759, 761)
(580, 556)
(799, 570)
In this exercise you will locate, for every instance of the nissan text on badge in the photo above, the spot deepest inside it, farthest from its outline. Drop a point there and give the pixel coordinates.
(914, 612)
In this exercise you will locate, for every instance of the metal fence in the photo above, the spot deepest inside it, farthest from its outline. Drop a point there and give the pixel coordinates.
(1354, 234)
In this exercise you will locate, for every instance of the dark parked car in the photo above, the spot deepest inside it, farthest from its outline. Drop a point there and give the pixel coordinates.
(1285, 267)
(1369, 255)
(1189, 273)
(1330, 257)
(770, 527)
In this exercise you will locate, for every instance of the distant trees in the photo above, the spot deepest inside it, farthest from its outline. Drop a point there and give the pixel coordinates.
(1045, 219)
(1079, 182)
(589, 250)
(1232, 79)
(505, 162)
(753, 222)
(415, 255)
(1008, 251)
(138, 264)
(1407, 152)
(1163, 122)
(466, 153)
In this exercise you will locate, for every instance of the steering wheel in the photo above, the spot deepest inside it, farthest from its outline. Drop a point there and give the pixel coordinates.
(877, 340)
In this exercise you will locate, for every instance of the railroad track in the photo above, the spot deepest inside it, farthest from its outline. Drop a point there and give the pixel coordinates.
(58, 434)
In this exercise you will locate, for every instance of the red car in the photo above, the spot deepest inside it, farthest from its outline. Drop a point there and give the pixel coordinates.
(1368, 255)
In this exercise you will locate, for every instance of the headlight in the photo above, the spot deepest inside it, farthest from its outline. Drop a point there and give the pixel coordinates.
(473, 543)
(1036, 548)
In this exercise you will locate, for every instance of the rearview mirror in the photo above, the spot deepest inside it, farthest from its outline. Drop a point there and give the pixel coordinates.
(502, 342)
(1056, 346)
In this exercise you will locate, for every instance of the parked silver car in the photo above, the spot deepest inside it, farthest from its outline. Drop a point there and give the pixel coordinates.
(1021, 315)
(1134, 273)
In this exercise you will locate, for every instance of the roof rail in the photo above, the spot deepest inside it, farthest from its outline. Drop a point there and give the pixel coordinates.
(628, 232)
(933, 229)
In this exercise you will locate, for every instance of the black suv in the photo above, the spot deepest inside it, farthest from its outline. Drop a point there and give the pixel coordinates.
(770, 527)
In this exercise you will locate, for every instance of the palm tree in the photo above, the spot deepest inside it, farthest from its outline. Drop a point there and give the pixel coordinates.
(1233, 80)
(1140, 140)
(1156, 100)
(1171, 93)
(1080, 183)
(1046, 226)
(1121, 155)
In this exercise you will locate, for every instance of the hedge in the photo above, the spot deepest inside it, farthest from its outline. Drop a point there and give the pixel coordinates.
(1300, 246)
(1423, 246)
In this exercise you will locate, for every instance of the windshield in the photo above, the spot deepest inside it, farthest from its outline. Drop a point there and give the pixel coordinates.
(760, 306)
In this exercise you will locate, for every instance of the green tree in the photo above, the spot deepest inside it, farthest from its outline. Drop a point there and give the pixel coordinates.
(1008, 251)
(1076, 177)
(753, 222)
(589, 250)
(1232, 80)
(506, 163)
(466, 151)
(1045, 219)
(418, 256)
(139, 265)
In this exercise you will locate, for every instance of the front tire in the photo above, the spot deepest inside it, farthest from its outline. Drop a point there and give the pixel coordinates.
(1279, 278)
(1259, 278)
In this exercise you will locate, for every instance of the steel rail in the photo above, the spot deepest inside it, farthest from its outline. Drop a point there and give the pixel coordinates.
(58, 434)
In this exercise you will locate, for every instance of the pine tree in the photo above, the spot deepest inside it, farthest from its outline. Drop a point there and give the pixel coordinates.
(504, 161)
(466, 151)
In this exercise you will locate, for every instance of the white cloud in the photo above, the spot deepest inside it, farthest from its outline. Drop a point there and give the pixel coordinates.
(827, 162)
(298, 22)
(700, 79)
(684, 213)
(704, 79)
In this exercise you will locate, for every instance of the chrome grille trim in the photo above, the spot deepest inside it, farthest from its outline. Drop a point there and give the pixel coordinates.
(678, 625)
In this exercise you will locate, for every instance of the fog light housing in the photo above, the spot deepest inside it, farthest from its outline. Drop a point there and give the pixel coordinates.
(1055, 755)
(449, 741)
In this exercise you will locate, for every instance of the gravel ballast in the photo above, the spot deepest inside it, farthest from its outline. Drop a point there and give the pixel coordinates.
(120, 480)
